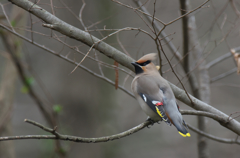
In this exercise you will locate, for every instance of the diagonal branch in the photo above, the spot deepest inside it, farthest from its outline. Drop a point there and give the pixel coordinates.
(223, 75)
(221, 58)
(212, 137)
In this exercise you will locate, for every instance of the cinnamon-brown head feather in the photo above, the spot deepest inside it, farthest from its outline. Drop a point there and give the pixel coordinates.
(150, 57)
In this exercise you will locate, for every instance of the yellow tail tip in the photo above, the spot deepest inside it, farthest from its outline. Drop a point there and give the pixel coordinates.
(185, 135)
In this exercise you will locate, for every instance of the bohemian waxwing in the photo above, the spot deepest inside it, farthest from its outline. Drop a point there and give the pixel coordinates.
(155, 96)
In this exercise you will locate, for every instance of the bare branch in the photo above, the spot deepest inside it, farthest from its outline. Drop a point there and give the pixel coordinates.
(221, 58)
(5, 15)
(121, 45)
(74, 138)
(206, 114)
(80, 15)
(218, 60)
(235, 8)
(223, 75)
(215, 138)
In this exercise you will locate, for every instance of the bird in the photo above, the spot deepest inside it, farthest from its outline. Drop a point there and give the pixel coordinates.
(155, 96)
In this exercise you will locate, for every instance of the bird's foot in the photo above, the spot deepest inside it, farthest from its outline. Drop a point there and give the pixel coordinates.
(151, 121)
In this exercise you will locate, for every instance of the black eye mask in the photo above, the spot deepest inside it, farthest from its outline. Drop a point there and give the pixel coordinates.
(145, 63)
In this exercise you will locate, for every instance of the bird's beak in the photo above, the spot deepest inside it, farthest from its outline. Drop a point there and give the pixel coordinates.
(138, 68)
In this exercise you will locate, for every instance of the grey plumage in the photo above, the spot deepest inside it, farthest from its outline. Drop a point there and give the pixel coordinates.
(154, 94)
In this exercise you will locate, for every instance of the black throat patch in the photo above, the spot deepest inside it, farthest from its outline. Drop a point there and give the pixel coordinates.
(138, 69)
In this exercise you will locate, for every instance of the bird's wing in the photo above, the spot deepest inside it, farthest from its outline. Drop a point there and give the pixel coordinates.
(157, 106)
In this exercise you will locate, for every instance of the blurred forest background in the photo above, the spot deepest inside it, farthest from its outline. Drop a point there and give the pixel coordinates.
(83, 105)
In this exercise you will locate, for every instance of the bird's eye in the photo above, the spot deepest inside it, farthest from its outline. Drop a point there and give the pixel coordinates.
(145, 63)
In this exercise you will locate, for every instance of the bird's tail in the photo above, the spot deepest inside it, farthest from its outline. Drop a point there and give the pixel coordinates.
(182, 130)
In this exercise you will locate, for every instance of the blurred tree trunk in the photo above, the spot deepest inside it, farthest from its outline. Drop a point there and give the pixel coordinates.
(7, 84)
(7, 87)
(203, 81)
(203, 90)
(199, 82)
(106, 116)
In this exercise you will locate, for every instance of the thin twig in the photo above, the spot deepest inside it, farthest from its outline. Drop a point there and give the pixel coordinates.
(235, 8)
(99, 65)
(121, 45)
(5, 15)
(231, 118)
(170, 45)
(176, 74)
(80, 15)
(180, 17)
(95, 45)
(221, 58)
(223, 75)
(136, 9)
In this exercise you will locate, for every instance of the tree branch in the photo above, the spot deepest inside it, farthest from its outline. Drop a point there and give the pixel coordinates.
(221, 58)
(218, 139)
(206, 114)
(225, 74)
(59, 136)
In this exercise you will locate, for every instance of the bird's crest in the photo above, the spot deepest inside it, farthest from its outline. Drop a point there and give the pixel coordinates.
(148, 57)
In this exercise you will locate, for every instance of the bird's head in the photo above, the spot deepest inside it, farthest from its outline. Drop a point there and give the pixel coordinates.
(145, 64)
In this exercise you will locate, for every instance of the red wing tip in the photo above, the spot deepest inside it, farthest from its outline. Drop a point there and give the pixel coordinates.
(159, 103)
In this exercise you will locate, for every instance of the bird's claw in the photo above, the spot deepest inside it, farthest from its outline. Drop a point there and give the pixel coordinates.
(151, 121)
